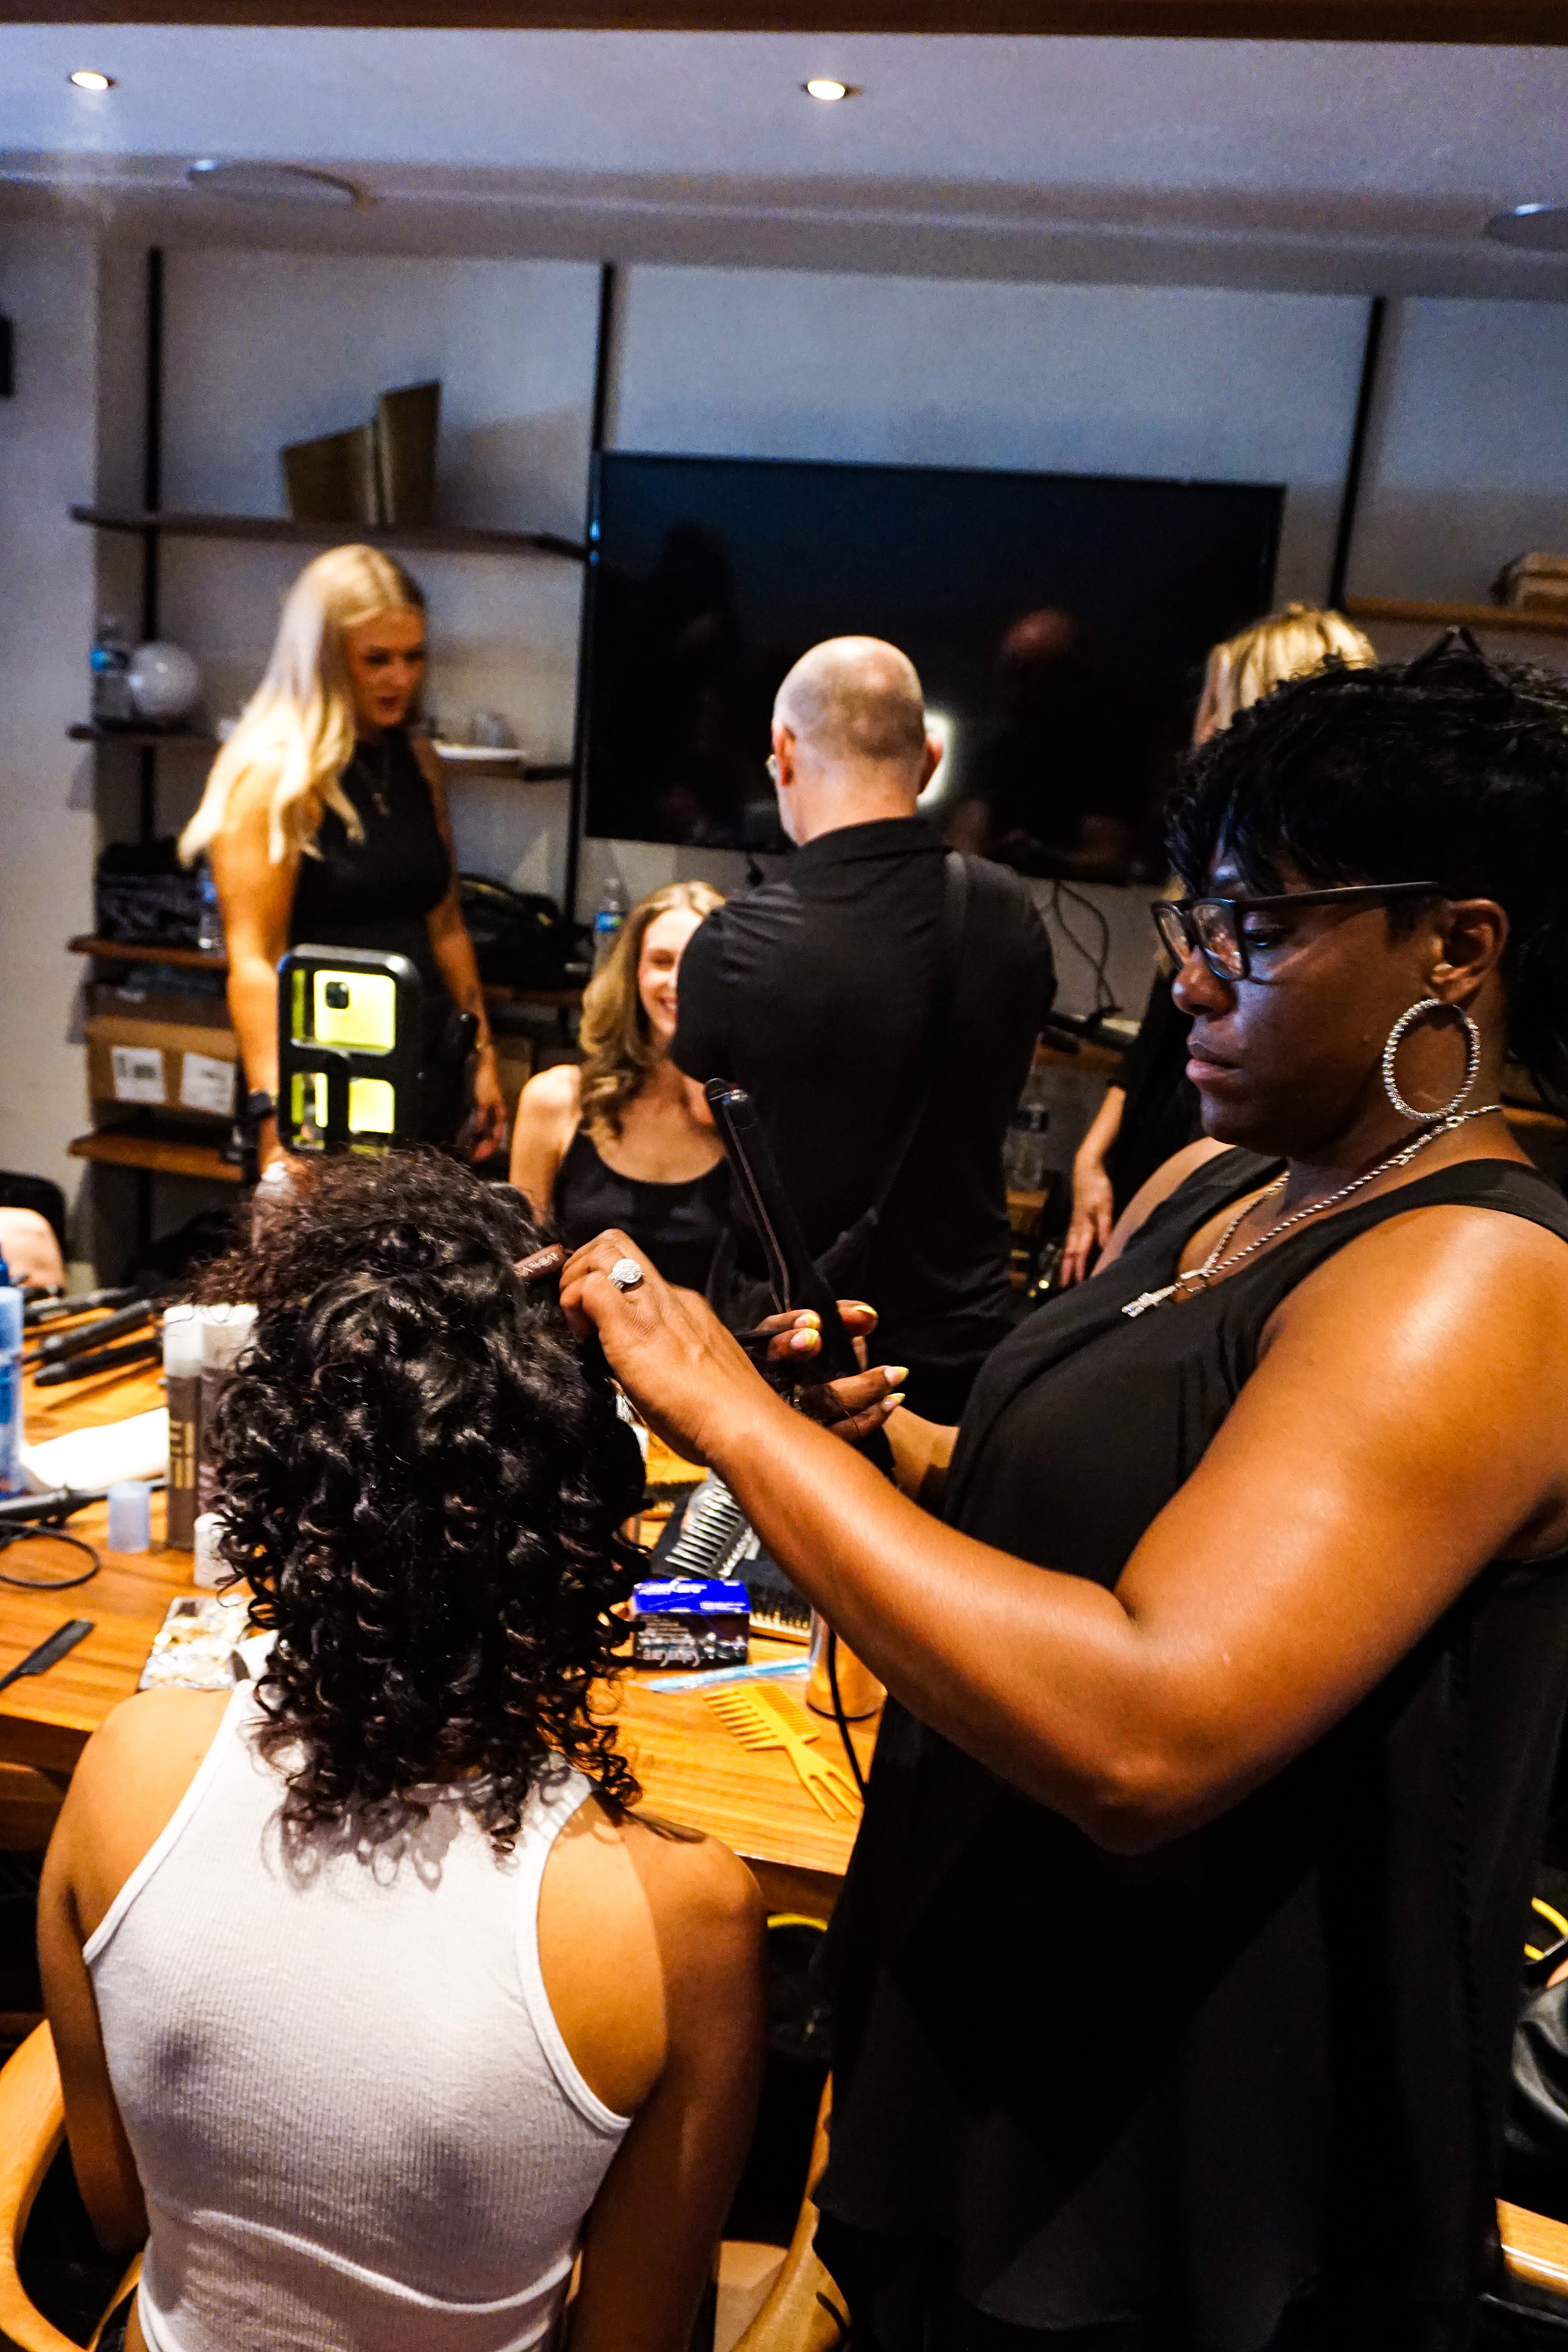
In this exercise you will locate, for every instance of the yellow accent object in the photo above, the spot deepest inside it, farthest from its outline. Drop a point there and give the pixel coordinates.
(368, 1022)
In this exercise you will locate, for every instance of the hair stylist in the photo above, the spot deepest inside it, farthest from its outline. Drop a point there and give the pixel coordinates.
(1179, 1957)
(326, 821)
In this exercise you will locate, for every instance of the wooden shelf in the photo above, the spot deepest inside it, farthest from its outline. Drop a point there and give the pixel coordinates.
(146, 951)
(198, 959)
(438, 539)
(85, 732)
(1450, 617)
(167, 1155)
(547, 772)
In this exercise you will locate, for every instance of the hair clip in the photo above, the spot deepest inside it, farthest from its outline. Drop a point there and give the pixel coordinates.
(548, 1260)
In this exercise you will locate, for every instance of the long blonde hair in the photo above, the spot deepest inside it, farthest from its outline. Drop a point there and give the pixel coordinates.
(1290, 644)
(619, 1053)
(300, 722)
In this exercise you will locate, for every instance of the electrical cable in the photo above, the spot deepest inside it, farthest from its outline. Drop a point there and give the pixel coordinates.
(1103, 999)
(839, 1718)
(9, 1536)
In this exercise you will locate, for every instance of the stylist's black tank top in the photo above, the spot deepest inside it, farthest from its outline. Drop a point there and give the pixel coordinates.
(1265, 2063)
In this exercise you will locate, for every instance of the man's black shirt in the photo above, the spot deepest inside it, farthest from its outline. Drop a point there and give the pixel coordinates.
(815, 993)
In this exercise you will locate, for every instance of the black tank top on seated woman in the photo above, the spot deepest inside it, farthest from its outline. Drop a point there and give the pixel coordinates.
(1244, 2091)
(677, 1224)
(376, 893)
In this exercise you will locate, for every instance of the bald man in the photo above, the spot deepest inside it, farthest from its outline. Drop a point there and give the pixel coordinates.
(838, 993)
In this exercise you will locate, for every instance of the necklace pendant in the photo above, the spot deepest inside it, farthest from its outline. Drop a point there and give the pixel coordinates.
(1136, 1306)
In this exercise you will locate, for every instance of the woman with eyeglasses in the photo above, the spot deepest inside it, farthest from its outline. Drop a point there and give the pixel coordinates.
(1228, 1639)
(1151, 1109)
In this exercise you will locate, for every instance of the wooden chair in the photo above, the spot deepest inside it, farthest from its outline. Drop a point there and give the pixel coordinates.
(805, 2310)
(802, 2312)
(32, 2132)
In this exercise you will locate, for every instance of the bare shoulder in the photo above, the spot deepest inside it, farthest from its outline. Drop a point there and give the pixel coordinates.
(695, 1885)
(125, 1789)
(555, 1093)
(1449, 1266)
(1167, 1179)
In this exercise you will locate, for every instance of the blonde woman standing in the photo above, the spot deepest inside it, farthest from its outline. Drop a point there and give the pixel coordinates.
(326, 821)
(626, 1139)
(1118, 1154)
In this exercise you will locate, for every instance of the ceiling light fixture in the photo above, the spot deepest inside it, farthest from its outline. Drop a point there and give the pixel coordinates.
(82, 80)
(828, 90)
(261, 183)
(1535, 229)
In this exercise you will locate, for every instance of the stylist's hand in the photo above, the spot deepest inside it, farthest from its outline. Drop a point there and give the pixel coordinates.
(685, 1374)
(853, 1407)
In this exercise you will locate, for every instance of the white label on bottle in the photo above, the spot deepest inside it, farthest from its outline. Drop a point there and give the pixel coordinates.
(206, 1084)
(138, 1073)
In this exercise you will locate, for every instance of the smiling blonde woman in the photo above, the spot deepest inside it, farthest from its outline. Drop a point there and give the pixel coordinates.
(626, 1139)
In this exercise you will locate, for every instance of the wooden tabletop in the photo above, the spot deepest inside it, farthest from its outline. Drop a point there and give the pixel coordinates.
(691, 1768)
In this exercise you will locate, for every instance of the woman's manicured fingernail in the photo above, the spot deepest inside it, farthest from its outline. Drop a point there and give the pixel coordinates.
(897, 1398)
(894, 1373)
(862, 1307)
(805, 1343)
(808, 1319)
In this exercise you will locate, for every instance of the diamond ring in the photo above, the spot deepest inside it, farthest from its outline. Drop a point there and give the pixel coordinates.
(626, 1273)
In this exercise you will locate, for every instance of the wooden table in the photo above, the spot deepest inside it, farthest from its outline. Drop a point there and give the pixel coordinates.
(691, 1769)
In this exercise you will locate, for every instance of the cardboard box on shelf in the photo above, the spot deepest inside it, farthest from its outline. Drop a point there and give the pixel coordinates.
(162, 1066)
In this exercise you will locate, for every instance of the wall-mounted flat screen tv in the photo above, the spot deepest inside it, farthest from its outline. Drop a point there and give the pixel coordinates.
(1059, 624)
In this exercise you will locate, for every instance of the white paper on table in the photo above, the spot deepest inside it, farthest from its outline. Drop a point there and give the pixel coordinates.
(207, 1083)
(88, 1459)
(138, 1073)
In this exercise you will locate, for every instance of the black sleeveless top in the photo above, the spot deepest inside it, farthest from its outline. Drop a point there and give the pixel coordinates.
(1267, 2062)
(376, 893)
(677, 1224)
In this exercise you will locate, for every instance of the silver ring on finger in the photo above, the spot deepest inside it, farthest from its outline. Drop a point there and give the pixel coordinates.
(626, 1273)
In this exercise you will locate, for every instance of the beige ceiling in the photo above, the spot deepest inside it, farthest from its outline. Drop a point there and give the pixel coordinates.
(1316, 165)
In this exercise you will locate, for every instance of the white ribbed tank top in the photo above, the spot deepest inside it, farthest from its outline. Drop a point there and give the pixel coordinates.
(356, 2121)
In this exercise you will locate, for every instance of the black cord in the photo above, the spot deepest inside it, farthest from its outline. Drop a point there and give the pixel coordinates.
(9, 1536)
(1103, 999)
(839, 1718)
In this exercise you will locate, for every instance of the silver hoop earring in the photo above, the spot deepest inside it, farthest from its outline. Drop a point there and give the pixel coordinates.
(1472, 1059)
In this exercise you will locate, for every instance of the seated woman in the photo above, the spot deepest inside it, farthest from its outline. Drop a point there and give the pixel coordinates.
(373, 2003)
(626, 1139)
(1180, 1954)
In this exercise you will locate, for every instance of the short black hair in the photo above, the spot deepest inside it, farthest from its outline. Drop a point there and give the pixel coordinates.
(1452, 768)
(423, 1476)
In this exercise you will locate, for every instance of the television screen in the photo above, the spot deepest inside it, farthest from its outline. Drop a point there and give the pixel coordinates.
(1059, 624)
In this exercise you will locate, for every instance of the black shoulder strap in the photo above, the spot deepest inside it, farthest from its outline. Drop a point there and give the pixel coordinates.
(940, 1023)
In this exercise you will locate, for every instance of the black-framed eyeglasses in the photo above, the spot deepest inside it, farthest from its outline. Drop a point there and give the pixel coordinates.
(1212, 928)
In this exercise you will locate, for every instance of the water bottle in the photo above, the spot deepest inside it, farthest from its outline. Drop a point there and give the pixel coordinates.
(11, 1481)
(609, 917)
(210, 937)
(111, 704)
(1024, 1152)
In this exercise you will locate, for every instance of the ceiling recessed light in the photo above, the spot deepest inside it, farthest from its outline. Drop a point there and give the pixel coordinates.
(85, 81)
(262, 182)
(1538, 228)
(829, 91)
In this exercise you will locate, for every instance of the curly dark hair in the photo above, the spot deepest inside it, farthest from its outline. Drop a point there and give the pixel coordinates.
(1452, 768)
(422, 1477)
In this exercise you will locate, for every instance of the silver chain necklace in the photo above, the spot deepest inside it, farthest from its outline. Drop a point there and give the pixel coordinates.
(1217, 1263)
